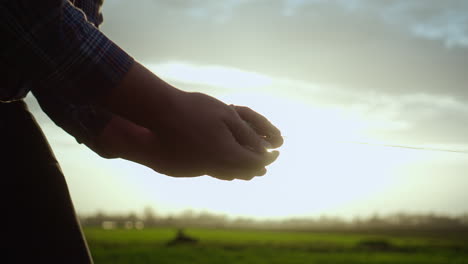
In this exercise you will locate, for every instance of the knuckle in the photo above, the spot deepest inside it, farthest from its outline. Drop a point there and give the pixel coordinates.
(246, 109)
(197, 94)
(242, 108)
(230, 112)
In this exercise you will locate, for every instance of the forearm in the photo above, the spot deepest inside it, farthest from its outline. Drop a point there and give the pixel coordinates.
(139, 94)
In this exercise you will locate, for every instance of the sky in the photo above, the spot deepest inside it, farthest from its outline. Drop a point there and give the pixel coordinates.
(331, 75)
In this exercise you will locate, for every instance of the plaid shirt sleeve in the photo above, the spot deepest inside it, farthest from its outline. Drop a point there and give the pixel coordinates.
(53, 47)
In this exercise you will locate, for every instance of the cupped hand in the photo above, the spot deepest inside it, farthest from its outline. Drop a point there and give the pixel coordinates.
(184, 134)
(203, 135)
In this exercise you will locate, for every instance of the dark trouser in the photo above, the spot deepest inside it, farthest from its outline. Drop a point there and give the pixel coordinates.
(38, 222)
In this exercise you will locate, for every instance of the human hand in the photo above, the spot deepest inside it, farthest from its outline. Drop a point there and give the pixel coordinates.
(191, 134)
(124, 139)
(206, 136)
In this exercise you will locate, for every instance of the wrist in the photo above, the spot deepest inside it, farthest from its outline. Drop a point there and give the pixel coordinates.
(143, 98)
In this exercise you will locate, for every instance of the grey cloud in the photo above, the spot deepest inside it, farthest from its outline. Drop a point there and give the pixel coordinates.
(428, 119)
(410, 119)
(440, 20)
(365, 47)
(322, 42)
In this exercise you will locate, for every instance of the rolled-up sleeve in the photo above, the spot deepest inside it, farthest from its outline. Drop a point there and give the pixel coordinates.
(56, 50)
(54, 46)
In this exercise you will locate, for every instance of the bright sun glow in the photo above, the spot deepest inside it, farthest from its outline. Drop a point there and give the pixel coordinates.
(216, 76)
(321, 170)
(320, 167)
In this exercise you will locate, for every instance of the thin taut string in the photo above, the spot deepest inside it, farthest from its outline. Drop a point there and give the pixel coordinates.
(408, 147)
(403, 147)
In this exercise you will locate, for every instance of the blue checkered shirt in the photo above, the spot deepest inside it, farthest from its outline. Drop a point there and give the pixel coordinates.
(54, 49)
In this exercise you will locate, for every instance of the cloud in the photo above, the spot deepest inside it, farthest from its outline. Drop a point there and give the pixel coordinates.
(432, 19)
(435, 20)
(402, 64)
(386, 46)
(414, 119)
(393, 69)
(429, 120)
(211, 76)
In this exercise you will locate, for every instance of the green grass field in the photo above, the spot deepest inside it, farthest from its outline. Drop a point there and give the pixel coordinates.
(269, 247)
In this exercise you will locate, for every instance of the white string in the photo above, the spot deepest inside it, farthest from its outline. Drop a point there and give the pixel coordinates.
(403, 146)
(408, 147)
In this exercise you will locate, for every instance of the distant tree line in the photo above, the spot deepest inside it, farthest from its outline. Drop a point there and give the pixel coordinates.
(189, 218)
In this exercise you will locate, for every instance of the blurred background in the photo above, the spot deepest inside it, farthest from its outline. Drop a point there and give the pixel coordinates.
(344, 80)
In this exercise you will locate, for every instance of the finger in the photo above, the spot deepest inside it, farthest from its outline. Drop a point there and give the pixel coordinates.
(276, 141)
(261, 125)
(262, 172)
(250, 176)
(244, 134)
(237, 157)
(222, 177)
(240, 175)
(232, 158)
